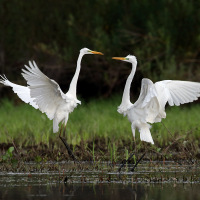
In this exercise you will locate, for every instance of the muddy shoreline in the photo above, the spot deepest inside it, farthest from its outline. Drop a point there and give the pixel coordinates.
(99, 150)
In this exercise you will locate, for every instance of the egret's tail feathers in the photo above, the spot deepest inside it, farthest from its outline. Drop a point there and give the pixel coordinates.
(145, 134)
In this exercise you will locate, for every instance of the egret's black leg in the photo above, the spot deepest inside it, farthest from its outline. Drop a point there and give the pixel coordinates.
(132, 170)
(66, 145)
(68, 148)
(125, 161)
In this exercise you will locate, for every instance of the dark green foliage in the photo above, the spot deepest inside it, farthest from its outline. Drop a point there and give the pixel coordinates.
(164, 35)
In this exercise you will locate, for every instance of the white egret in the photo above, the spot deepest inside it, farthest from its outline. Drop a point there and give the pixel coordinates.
(150, 106)
(46, 95)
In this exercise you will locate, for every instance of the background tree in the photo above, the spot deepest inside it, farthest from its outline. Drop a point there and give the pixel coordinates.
(164, 35)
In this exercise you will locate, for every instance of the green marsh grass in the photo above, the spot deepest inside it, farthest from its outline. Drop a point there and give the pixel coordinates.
(92, 120)
(97, 118)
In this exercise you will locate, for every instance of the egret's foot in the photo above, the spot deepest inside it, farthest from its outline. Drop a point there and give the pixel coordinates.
(125, 161)
(68, 149)
(132, 170)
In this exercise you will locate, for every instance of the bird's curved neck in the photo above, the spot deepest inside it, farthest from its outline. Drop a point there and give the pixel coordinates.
(126, 94)
(73, 84)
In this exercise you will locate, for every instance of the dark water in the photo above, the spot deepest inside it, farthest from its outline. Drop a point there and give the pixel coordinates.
(102, 191)
(155, 181)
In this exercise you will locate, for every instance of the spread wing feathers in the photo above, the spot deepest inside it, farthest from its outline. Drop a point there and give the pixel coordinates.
(148, 100)
(147, 93)
(22, 91)
(46, 92)
(179, 92)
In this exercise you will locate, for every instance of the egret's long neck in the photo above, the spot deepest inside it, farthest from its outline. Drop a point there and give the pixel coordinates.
(72, 87)
(126, 94)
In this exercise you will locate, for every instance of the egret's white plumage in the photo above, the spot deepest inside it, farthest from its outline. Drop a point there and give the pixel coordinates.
(150, 106)
(46, 95)
(23, 92)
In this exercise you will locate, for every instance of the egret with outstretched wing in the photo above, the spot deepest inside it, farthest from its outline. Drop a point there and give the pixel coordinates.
(150, 106)
(45, 94)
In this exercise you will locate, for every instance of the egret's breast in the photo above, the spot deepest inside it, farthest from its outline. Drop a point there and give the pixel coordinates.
(136, 114)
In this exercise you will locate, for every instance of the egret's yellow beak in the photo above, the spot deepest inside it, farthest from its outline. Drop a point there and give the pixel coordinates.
(119, 58)
(96, 52)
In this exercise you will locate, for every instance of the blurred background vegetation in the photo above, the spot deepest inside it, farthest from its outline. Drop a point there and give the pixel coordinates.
(164, 35)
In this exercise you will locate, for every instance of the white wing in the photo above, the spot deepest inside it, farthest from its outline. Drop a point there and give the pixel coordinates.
(22, 91)
(46, 92)
(147, 101)
(177, 92)
(147, 92)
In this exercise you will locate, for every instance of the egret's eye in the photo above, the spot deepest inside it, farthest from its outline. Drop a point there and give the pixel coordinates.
(127, 58)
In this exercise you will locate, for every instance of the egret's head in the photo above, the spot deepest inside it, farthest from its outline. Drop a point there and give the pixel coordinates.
(88, 51)
(129, 58)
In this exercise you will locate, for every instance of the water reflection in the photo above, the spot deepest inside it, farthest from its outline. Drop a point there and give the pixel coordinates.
(103, 191)
(156, 181)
